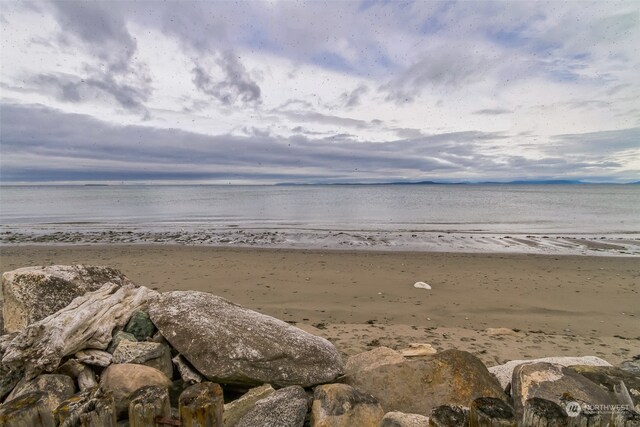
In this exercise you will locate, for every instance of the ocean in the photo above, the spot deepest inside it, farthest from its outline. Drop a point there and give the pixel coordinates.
(407, 217)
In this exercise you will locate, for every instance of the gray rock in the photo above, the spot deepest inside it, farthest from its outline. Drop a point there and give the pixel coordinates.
(609, 378)
(33, 293)
(230, 344)
(1, 318)
(505, 372)
(9, 376)
(140, 326)
(340, 405)
(124, 379)
(400, 419)
(632, 365)
(237, 409)
(416, 386)
(286, 407)
(57, 388)
(151, 354)
(554, 383)
(118, 337)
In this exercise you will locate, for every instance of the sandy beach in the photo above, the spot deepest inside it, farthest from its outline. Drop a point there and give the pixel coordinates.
(556, 305)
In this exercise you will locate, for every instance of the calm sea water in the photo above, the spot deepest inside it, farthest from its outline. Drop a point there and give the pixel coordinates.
(477, 208)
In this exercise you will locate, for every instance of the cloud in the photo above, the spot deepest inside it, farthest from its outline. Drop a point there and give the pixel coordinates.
(353, 98)
(235, 86)
(493, 111)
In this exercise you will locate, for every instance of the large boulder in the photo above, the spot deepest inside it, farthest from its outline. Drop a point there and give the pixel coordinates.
(451, 377)
(235, 410)
(340, 405)
(9, 376)
(231, 344)
(555, 383)
(505, 372)
(372, 359)
(122, 380)
(57, 388)
(33, 293)
(609, 378)
(286, 407)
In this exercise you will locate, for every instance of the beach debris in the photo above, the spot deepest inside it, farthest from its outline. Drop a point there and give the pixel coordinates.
(235, 410)
(286, 407)
(343, 405)
(455, 378)
(201, 404)
(55, 387)
(418, 349)
(493, 332)
(400, 419)
(421, 285)
(247, 348)
(122, 380)
(505, 372)
(555, 383)
(33, 293)
(85, 323)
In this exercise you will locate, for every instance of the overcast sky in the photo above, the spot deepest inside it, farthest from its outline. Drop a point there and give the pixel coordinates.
(348, 91)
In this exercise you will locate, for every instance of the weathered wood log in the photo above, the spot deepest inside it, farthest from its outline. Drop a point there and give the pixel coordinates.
(449, 416)
(147, 405)
(85, 323)
(94, 357)
(28, 410)
(491, 412)
(201, 405)
(543, 413)
(87, 409)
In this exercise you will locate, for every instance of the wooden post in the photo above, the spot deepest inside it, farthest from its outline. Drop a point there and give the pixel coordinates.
(87, 409)
(491, 412)
(449, 416)
(201, 405)
(28, 410)
(147, 404)
(543, 413)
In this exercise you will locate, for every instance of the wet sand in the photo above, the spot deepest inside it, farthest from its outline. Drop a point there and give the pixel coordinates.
(558, 305)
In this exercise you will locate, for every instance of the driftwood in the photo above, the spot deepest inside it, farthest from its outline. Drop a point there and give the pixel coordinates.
(89, 408)
(491, 412)
(29, 410)
(449, 416)
(201, 405)
(188, 374)
(147, 405)
(543, 413)
(94, 357)
(85, 323)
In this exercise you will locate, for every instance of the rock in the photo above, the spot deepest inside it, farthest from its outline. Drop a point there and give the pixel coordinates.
(632, 365)
(418, 349)
(554, 383)
(151, 354)
(451, 377)
(123, 379)
(87, 322)
(94, 357)
(505, 372)
(117, 338)
(609, 378)
(340, 405)
(236, 409)
(286, 407)
(400, 419)
(231, 344)
(28, 410)
(188, 374)
(33, 293)
(9, 377)
(494, 332)
(57, 388)
(373, 359)
(83, 374)
(421, 285)
(140, 326)
(87, 379)
(1, 317)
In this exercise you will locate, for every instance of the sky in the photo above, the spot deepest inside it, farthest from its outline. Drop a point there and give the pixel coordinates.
(319, 92)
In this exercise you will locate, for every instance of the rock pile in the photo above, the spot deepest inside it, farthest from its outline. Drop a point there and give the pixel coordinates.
(84, 346)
